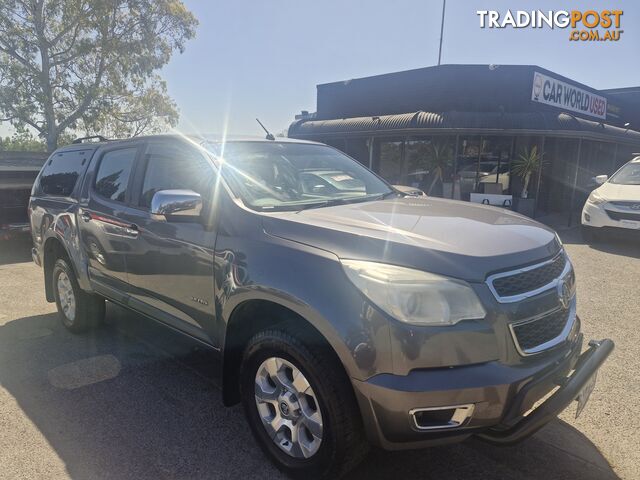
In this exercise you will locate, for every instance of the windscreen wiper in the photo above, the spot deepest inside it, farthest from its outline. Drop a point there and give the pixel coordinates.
(324, 203)
(390, 194)
(344, 201)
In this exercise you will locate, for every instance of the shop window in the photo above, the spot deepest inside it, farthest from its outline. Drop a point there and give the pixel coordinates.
(338, 143)
(557, 176)
(624, 154)
(390, 166)
(358, 148)
(494, 166)
(466, 180)
(430, 165)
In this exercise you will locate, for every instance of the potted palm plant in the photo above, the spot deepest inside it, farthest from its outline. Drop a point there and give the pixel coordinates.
(528, 162)
(440, 158)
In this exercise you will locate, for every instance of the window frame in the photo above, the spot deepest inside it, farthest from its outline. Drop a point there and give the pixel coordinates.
(77, 188)
(136, 160)
(145, 157)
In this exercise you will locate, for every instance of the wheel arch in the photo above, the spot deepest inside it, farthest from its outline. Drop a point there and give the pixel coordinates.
(254, 315)
(52, 250)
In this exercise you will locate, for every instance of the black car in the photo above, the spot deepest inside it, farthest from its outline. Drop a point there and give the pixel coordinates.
(344, 313)
(18, 170)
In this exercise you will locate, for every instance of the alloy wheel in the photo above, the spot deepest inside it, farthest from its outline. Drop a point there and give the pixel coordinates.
(288, 408)
(66, 297)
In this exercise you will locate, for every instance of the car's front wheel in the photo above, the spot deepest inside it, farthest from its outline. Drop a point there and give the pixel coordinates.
(300, 406)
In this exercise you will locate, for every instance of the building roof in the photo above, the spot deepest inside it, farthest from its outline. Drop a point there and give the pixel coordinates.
(472, 88)
(470, 122)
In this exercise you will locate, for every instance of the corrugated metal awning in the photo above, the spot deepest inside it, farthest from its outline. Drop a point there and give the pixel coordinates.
(474, 122)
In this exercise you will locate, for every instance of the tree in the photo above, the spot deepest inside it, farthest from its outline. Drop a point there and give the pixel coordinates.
(89, 65)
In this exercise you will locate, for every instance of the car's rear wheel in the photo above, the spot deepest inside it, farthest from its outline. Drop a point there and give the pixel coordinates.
(300, 406)
(78, 310)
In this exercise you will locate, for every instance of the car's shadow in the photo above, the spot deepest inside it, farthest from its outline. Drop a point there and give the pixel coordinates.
(625, 244)
(115, 406)
(17, 250)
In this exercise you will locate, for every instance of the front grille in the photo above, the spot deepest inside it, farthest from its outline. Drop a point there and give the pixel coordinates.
(623, 204)
(533, 333)
(528, 280)
(622, 215)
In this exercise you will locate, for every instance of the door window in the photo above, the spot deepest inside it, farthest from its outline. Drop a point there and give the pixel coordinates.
(60, 173)
(113, 174)
(176, 167)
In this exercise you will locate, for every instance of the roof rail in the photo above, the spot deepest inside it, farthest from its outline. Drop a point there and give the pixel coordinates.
(100, 138)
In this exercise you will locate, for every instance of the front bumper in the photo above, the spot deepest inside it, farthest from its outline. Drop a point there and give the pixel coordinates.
(595, 216)
(501, 396)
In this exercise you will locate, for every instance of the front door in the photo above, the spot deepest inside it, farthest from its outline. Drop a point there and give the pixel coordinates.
(170, 263)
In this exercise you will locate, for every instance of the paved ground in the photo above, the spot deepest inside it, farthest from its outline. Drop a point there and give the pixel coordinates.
(134, 401)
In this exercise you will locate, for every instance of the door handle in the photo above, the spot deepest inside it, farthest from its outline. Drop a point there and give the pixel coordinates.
(132, 230)
(86, 216)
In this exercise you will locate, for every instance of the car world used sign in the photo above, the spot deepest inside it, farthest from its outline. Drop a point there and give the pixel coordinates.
(557, 93)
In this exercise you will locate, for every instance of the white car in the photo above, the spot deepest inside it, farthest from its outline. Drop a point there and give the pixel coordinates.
(616, 202)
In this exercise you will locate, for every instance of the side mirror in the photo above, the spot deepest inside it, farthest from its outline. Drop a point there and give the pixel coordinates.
(600, 179)
(179, 204)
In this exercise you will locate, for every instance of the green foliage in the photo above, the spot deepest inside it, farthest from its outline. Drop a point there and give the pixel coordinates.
(22, 142)
(89, 66)
(528, 162)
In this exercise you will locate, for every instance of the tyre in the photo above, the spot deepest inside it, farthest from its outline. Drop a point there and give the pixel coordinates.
(79, 311)
(300, 406)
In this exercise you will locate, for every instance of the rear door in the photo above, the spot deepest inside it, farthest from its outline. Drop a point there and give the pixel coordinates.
(104, 231)
(170, 263)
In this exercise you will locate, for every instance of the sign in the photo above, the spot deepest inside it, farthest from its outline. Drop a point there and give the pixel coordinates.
(557, 93)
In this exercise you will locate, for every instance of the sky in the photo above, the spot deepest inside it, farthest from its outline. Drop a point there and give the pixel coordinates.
(264, 58)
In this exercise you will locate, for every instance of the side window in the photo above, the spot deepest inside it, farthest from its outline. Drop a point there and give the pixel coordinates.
(171, 167)
(113, 173)
(61, 172)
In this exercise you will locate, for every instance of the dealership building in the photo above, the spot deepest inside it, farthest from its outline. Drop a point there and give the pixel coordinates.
(457, 131)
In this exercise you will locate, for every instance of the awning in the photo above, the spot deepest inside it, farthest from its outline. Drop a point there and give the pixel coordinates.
(536, 123)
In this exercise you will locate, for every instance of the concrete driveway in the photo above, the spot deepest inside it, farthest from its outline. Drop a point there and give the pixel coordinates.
(136, 401)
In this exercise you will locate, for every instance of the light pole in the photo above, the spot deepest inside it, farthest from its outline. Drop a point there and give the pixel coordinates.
(444, 6)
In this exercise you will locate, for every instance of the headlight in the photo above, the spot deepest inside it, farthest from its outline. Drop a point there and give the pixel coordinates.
(413, 296)
(596, 199)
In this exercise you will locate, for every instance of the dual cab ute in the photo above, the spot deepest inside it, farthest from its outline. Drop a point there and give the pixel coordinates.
(344, 313)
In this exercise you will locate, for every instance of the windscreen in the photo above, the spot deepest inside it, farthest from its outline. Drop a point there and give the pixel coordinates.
(627, 175)
(290, 176)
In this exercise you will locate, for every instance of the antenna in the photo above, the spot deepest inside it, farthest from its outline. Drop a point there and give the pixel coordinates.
(269, 134)
(444, 7)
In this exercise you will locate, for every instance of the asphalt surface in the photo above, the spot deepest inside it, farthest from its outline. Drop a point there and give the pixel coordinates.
(135, 401)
